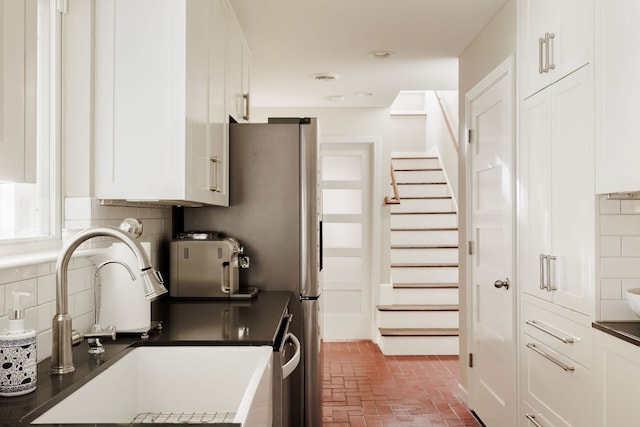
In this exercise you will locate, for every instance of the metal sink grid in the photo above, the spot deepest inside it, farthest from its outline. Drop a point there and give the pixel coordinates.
(182, 418)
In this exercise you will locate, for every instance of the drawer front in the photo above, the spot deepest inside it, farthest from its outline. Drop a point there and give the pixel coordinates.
(564, 336)
(557, 390)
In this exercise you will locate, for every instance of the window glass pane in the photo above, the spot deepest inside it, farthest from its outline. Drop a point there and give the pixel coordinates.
(27, 207)
(341, 202)
(341, 168)
(342, 235)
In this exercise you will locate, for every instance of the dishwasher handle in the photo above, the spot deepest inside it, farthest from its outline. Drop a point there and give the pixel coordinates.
(292, 364)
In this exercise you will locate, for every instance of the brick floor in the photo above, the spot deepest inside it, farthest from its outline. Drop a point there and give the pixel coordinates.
(364, 388)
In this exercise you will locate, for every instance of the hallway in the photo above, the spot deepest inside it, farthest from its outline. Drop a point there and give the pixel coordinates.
(362, 387)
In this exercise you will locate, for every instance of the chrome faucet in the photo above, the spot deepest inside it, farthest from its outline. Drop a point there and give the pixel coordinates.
(61, 354)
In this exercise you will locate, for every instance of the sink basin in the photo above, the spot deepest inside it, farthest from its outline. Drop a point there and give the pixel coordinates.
(171, 384)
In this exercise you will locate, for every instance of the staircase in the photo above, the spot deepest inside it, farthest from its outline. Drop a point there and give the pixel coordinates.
(418, 314)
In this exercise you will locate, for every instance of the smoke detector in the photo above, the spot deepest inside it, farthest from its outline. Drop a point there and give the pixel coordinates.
(325, 77)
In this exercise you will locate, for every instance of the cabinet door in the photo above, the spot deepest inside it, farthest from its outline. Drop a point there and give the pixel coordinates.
(557, 203)
(535, 20)
(617, 94)
(573, 203)
(535, 191)
(557, 34)
(618, 386)
(235, 98)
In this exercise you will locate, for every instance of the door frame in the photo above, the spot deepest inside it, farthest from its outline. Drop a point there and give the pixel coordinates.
(373, 144)
(506, 67)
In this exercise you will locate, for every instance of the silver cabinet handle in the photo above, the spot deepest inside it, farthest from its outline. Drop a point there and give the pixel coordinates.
(549, 37)
(541, 42)
(502, 283)
(245, 100)
(551, 358)
(541, 326)
(532, 418)
(214, 174)
(551, 284)
(543, 259)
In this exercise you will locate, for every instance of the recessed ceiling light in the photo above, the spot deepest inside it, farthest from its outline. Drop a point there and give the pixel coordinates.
(325, 77)
(335, 98)
(364, 94)
(381, 54)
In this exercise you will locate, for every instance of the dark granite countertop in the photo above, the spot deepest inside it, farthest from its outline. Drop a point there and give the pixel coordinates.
(196, 322)
(626, 330)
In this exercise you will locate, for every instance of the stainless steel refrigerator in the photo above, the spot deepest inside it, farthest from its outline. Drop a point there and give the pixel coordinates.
(276, 213)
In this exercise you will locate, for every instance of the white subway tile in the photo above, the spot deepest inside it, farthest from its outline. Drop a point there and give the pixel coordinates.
(77, 208)
(46, 286)
(616, 310)
(610, 289)
(610, 246)
(620, 225)
(630, 207)
(16, 274)
(630, 246)
(100, 211)
(622, 268)
(629, 284)
(117, 213)
(4, 322)
(609, 206)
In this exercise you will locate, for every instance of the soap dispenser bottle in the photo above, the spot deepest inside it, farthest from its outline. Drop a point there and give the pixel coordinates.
(18, 361)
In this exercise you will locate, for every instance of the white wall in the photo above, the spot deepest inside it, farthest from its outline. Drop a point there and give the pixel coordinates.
(489, 49)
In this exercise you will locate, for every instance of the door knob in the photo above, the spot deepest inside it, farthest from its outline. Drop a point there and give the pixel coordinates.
(502, 283)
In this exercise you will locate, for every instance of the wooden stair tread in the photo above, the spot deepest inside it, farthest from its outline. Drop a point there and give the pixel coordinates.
(426, 229)
(419, 332)
(417, 169)
(424, 246)
(415, 158)
(419, 307)
(423, 197)
(425, 265)
(422, 183)
(425, 213)
(425, 286)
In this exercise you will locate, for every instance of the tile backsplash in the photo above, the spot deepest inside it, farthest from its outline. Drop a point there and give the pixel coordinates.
(619, 256)
(39, 279)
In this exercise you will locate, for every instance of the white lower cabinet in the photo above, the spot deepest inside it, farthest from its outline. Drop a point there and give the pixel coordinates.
(618, 381)
(556, 361)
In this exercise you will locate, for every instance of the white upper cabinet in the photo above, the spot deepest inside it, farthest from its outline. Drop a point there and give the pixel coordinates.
(556, 38)
(161, 114)
(617, 85)
(557, 205)
(238, 66)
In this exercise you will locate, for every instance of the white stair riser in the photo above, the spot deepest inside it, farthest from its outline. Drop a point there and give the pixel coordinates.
(428, 237)
(418, 319)
(425, 275)
(424, 296)
(433, 190)
(435, 255)
(424, 221)
(416, 346)
(420, 176)
(417, 163)
(424, 205)
(417, 190)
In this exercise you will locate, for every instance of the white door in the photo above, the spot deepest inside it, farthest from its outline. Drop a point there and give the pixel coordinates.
(490, 117)
(347, 240)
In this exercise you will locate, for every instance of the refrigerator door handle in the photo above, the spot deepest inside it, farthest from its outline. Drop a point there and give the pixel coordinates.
(292, 364)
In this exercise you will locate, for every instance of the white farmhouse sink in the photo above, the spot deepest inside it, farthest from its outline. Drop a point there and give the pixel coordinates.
(230, 383)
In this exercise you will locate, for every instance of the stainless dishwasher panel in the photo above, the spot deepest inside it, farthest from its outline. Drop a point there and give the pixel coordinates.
(286, 357)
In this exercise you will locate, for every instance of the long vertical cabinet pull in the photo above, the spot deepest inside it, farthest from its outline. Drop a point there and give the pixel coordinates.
(532, 418)
(541, 56)
(543, 260)
(214, 174)
(551, 273)
(549, 37)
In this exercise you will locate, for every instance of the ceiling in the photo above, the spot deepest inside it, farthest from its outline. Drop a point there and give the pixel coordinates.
(291, 40)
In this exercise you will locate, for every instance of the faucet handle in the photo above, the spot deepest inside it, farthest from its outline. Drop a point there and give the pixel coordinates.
(101, 333)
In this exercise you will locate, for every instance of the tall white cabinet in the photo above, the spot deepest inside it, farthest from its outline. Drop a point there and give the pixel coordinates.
(617, 68)
(161, 110)
(556, 213)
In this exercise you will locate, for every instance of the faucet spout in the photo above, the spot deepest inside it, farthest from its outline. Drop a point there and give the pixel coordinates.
(61, 354)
